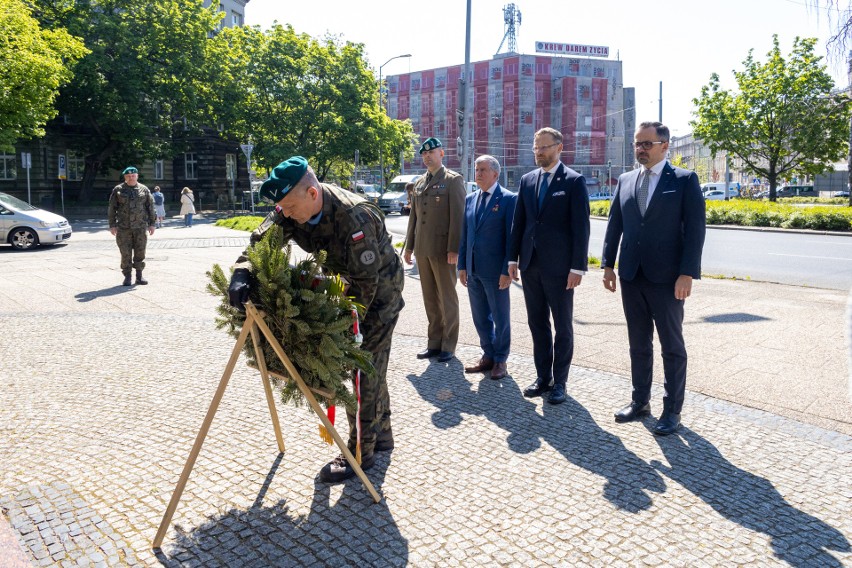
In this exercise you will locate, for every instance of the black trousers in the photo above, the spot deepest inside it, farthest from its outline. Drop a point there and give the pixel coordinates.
(545, 296)
(646, 305)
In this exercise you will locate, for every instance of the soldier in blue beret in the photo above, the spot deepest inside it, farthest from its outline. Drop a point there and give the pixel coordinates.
(131, 214)
(434, 235)
(352, 231)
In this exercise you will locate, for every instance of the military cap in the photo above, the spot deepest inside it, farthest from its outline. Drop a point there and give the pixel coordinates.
(430, 144)
(284, 177)
(129, 170)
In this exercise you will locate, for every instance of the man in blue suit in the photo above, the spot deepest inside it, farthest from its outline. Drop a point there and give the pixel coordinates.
(483, 265)
(550, 246)
(657, 213)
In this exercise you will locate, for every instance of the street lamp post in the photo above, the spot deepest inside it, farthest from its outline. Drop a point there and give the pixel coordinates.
(381, 102)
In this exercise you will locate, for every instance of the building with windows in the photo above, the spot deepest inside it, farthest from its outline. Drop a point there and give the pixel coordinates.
(512, 96)
(210, 165)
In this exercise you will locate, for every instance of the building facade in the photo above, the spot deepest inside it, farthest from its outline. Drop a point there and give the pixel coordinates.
(511, 97)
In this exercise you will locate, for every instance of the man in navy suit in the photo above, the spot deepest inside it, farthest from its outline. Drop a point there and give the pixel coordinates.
(550, 246)
(657, 213)
(483, 265)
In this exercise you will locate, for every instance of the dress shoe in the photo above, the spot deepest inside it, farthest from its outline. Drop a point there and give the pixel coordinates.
(667, 424)
(484, 364)
(384, 441)
(538, 388)
(445, 356)
(557, 394)
(428, 353)
(499, 371)
(633, 411)
(338, 469)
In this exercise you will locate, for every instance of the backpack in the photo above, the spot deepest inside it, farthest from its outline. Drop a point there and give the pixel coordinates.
(158, 198)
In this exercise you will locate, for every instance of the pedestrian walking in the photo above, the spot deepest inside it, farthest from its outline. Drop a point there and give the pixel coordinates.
(434, 236)
(159, 205)
(352, 231)
(484, 265)
(131, 219)
(187, 206)
(550, 244)
(657, 215)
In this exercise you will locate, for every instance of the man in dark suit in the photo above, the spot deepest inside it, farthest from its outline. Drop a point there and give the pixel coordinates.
(550, 246)
(483, 265)
(434, 232)
(657, 213)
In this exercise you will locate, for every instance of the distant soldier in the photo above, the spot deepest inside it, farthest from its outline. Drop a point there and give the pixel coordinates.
(131, 214)
(352, 231)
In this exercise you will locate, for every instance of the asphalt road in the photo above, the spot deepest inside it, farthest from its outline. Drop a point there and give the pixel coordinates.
(797, 259)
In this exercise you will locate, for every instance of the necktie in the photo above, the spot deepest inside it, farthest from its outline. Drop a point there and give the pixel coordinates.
(483, 199)
(642, 194)
(542, 189)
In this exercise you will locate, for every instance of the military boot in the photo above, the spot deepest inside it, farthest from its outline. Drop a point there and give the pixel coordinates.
(139, 279)
(338, 469)
(126, 279)
(384, 441)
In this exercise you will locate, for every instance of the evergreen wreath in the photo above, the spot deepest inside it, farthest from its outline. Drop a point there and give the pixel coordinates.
(307, 311)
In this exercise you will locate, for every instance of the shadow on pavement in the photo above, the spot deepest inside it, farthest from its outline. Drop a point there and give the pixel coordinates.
(103, 293)
(738, 317)
(353, 531)
(568, 428)
(798, 538)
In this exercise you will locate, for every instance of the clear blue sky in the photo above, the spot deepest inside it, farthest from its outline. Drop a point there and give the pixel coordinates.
(678, 43)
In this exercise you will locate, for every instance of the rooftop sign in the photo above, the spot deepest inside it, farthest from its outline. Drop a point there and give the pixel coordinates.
(572, 49)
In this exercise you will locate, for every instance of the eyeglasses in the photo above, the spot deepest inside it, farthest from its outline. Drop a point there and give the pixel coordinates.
(646, 144)
(538, 148)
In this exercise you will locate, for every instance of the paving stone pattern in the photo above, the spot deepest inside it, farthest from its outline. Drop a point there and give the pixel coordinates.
(102, 392)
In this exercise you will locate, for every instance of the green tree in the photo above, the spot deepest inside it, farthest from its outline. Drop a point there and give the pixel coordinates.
(143, 80)
(294, 94)
(34, 64)
(784, 121)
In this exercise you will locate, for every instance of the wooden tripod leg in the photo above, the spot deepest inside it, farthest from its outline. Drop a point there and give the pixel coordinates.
(267, 388)
(309, 396)
(202, 433)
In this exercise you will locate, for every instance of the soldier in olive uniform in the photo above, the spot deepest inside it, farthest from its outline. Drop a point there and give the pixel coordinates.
(434, 235)
(131, 215)
(352, 231)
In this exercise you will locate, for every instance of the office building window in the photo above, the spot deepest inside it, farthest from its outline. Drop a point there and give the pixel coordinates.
(190, 161)
(230, 167)
(158, 170)
(75, 165)
(7, 166)
(236, 19)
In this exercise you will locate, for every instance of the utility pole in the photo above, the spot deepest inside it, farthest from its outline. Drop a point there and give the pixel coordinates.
(661, 101)
(464, 123)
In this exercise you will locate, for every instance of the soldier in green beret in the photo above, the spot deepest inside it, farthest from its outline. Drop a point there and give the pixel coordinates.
(131, 215)
(352, 231)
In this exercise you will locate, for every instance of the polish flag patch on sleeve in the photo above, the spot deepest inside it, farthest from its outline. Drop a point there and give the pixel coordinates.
(357, 236)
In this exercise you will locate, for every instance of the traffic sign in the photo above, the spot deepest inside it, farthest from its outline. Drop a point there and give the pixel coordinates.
(62, 172)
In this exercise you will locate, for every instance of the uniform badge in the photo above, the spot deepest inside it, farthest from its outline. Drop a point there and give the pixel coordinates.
(495, 208)
(368, 257)
(357, 236)
(437, 199)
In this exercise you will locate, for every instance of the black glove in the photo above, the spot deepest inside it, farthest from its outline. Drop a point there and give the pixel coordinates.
(238, 291)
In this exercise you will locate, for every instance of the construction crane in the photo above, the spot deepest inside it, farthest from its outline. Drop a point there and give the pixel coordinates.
(511, 21)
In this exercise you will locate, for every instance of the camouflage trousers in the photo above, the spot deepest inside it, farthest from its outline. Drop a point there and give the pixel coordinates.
(131, 243)
(375, 399)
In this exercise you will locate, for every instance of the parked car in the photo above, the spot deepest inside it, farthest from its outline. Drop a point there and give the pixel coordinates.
(796, 191)
(368, 191)
(733, 188)
(395, 199)
(715, 195)
(25, 226)
(600, 197)
(841, 194)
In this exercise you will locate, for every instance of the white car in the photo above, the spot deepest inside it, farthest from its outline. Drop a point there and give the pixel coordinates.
(715, 195)
(24, 226)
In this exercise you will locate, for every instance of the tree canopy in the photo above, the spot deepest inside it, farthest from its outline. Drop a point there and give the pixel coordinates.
(785, 120)
(34, 64)
(143, 77)
(294, 94)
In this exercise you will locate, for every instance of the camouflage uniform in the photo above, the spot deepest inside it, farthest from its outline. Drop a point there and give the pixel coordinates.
(352, 231)
(131, 211)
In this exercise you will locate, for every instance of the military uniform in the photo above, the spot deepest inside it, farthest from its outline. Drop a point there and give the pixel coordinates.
(434, 229)
(352, 232)
(131, 212)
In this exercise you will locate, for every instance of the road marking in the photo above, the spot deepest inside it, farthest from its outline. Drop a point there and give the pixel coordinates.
(809, 256)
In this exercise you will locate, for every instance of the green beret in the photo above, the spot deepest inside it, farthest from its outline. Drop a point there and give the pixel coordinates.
(430, 144)
(129, 170)
(284, 177)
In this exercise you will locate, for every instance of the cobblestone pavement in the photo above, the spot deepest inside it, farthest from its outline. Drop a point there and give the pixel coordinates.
(103, 389)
